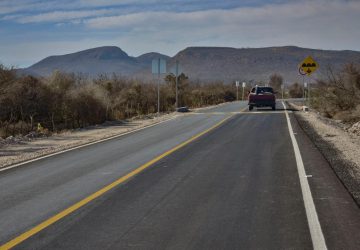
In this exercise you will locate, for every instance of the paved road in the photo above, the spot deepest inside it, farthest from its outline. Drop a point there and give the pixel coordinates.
(236, 187)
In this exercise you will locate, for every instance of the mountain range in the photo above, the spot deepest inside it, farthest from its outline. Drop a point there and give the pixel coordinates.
(199, 63)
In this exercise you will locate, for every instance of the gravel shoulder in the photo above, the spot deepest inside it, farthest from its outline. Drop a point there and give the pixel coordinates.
(339, 146)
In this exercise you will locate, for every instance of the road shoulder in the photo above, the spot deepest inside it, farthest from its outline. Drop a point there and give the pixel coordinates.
(338, 212)
(340, 148)
(21, 151)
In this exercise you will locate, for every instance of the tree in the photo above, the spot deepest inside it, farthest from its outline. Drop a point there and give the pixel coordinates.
(276, 81)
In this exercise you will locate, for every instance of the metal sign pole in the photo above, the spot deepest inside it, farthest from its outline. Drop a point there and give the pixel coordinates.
(307, 67)
(237, 90)
(158, 67)
(243, 90)
(303, 78)
(309, 84)
(176, 85)
(158, 88)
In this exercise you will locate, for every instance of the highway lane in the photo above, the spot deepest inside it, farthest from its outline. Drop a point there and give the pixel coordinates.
(47, 186)
(227, 107)
(236, 187)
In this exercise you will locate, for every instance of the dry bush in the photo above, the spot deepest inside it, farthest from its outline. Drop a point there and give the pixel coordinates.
(338, 96)
(276, 80)
(296, 90)
(64, 101)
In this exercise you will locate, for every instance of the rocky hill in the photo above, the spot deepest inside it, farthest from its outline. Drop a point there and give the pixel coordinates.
(202, 63)
(259, 63)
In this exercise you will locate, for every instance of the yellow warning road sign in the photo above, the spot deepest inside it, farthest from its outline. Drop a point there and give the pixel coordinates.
(308, 66)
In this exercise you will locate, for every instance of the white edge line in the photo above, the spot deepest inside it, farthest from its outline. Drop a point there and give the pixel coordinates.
(316, 233)
(82, 146)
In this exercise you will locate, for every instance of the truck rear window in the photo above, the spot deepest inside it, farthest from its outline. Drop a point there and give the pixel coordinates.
(264, 90)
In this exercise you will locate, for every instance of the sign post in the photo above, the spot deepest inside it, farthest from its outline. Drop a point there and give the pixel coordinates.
(237, 90)
(158, 66)
(282, 91)
(176, 85)
(243, 90)
(307, 67)
(176, 70)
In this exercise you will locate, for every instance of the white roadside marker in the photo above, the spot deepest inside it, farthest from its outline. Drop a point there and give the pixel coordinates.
(316, 233)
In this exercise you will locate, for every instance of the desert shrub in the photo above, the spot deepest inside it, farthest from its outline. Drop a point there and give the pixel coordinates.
(338, 96)
(85, 108)
(296, 90)
(64, 101)
(276, 80)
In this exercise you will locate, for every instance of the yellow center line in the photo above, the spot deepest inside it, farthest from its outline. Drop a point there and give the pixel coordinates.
(12, 243)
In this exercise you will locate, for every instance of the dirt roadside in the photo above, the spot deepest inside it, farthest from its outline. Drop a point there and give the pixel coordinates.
(337, 143)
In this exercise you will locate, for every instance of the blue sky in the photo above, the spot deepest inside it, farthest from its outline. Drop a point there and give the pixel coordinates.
(33, 29)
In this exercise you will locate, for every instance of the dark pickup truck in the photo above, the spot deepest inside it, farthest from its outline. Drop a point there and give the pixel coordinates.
(262, 97)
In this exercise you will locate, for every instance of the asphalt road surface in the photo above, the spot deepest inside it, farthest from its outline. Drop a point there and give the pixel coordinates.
(235, 187)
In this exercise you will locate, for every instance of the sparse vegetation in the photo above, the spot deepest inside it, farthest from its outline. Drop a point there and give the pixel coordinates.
(296, 90)
(68, 101)
(338, 96)
(276, 80)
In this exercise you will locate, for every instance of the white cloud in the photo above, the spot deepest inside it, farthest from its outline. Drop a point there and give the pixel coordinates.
(302, 12)
(320, 24)
(60, 16)
(15, 6)
(312, 24)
